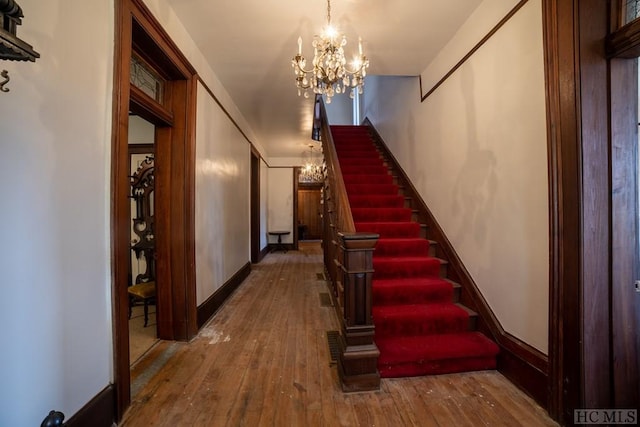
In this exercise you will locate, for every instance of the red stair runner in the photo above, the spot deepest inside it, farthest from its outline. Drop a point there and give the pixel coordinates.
(419, 329)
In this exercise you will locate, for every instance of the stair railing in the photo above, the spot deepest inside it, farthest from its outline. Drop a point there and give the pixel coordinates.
(348, 259)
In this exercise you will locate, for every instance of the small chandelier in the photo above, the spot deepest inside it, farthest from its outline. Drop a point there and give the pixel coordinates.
(311, 172)
(329, 74)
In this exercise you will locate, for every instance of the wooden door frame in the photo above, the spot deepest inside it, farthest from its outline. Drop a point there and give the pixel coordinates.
(296, 174)
(255, 206)
(136, 29)
(582, 98)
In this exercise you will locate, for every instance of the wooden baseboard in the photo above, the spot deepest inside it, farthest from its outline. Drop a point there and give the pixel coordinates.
(215, 301)
(263, 252)
(99, 412)
(525, 366)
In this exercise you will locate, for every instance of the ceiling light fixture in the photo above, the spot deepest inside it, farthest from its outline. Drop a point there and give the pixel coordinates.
(330, 74)
(311, 172)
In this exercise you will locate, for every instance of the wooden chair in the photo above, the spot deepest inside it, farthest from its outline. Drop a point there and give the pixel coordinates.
(145, 292)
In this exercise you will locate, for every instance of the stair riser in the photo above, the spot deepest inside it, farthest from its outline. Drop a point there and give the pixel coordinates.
(419, 325)
(390, 201)
(368, 161)
(385, 230)
(367, 179)
(402, 268)
(381, 214)
(413, 247)
(412, 296)
(364, 170)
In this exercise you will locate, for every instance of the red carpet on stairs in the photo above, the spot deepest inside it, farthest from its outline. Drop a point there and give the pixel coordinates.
(419, 328)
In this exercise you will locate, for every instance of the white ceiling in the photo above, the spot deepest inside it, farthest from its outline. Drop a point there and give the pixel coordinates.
(250, 43)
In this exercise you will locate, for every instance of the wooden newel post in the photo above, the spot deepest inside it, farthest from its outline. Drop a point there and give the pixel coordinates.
(358, 359)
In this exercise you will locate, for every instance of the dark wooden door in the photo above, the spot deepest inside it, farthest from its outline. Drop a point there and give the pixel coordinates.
(625, 294)
(309, 213)
(624, 48)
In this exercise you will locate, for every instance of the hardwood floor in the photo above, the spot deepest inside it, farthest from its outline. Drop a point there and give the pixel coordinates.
(263, 360)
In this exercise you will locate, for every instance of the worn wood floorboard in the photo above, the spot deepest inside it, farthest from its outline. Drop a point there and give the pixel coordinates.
(263, 360)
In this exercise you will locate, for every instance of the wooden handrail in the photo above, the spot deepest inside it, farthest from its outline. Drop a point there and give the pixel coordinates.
(348, 259)
(334, 174)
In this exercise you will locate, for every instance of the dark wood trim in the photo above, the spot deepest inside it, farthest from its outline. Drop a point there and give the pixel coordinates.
(215, 301)
(264, 252)
(189, 141)
(175, 185)
(625, 260)
(625, 42)
(595, 200)
(564, 146)
(98, 412)
(473, 50)
(296, 172)
(141, 148)
(120, 205)
(523, 364)
(591, 110)
(166, 56)
(147, 108)
(358, 356)
(255, 205)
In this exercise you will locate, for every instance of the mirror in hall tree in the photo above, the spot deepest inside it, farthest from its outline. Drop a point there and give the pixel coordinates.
(143, 241)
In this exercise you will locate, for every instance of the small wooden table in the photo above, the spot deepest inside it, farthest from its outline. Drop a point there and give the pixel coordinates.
(279, 246)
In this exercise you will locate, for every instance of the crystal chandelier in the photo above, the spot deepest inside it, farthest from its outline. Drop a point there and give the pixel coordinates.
(329, 74)
(311, 172)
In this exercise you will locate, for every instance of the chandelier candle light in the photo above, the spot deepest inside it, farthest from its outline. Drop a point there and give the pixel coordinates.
(329, 74)
(312, 172)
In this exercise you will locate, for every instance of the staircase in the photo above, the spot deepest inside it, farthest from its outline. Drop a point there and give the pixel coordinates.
(420, 328)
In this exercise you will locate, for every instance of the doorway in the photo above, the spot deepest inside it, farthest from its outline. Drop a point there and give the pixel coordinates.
(154, 81)
(143, 332)
(309, 216)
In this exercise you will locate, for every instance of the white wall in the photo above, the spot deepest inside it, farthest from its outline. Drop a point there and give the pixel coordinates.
(55, 267)
(340, 111)
(480, 22)
(167, 17)
(223, 164)
(223, 169)
(476, 152)
(141, 131)
(280, 203)
(55, 306)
